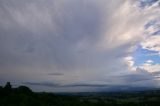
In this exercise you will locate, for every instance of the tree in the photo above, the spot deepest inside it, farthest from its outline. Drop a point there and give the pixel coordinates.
(8, 86)
(7, 89)
(24, 89)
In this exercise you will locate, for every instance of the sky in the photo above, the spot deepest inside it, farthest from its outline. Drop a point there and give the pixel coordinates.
(80, 45)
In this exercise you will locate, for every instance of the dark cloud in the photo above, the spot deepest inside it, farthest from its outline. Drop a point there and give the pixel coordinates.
(145, 3)
(55, 74)
(42, 84)
(87, 85)
(64, 86)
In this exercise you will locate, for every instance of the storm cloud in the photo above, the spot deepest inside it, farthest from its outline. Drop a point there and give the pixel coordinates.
(65, 42)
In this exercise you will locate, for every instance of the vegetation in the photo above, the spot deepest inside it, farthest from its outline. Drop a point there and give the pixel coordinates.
(23, 96)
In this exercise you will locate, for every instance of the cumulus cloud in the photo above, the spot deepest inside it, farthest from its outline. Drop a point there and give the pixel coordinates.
(150, 67)
(152, 43)
(72, 41)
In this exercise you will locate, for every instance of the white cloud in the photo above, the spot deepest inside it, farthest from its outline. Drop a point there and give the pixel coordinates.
(152, 43)
(149, 61)
(129, 61)
(151, 68)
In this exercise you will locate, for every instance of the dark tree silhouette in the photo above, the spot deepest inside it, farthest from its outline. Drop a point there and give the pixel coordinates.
(24, 89)
(8, 86)
(7, 89)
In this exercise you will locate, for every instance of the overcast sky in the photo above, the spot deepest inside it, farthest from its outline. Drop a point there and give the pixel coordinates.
(80, 45)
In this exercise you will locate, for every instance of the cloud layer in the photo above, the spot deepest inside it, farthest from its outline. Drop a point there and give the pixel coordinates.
(74, 42)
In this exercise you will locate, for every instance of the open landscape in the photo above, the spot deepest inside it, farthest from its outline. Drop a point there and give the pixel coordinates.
(79, 52)
(23, 96)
